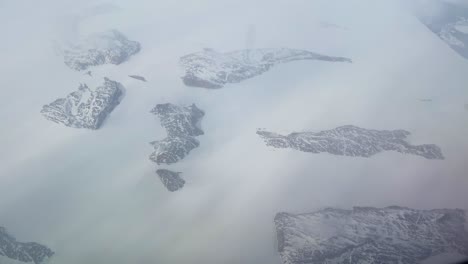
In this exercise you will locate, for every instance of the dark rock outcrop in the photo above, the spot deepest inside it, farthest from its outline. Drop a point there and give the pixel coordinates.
(138, 77)
(171, 179)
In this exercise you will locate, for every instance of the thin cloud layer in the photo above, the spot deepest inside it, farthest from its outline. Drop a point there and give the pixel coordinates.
(94, 197)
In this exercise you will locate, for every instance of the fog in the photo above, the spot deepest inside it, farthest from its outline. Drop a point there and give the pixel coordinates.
(94, 197)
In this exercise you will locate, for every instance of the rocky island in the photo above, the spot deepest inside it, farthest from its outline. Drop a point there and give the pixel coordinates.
(110, 47)
(182, 126)
(138, 77)
(85, 108)
(27, 252)
(212, 69)
(351, 141)
(171, 180)
(370, 235)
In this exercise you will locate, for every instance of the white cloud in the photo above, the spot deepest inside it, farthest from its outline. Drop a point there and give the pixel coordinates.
(93, 196)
